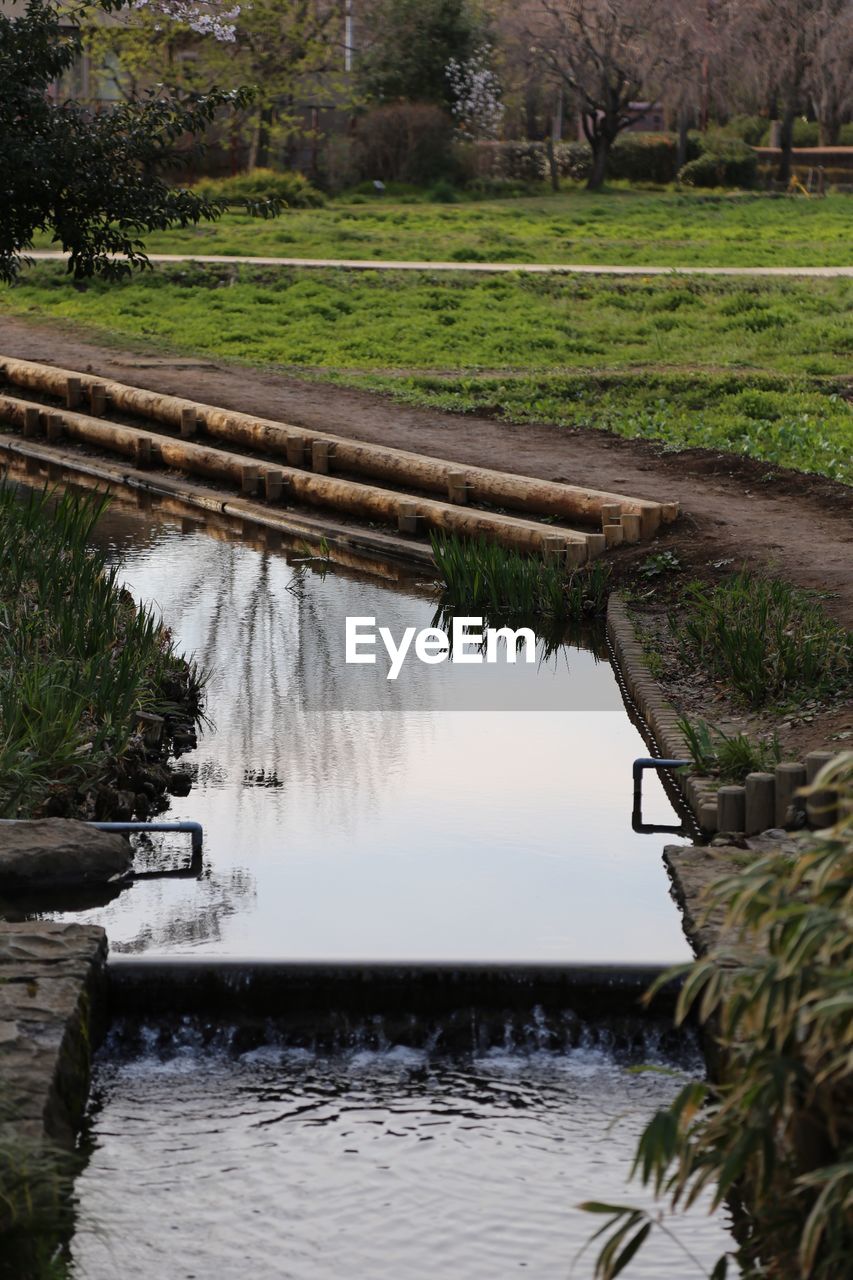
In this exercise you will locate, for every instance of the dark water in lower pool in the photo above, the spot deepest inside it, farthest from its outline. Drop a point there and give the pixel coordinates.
(399, 1163)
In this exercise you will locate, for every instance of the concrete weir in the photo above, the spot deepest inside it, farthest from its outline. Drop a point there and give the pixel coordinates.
(52, 1007)
(323, 1002)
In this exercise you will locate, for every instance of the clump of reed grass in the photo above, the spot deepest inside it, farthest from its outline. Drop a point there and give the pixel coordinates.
(478, 574)
(728, 756)
(767, 640)
(78, 658)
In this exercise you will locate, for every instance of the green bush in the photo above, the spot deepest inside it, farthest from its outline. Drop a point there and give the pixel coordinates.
(806, 133)
(634, 157)
(774, 1130)
(648, 157)
(406, 142)
(290, 187)
(733, 164)
(750, 129)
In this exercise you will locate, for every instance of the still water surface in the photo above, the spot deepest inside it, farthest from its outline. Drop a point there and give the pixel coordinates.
(461, 813)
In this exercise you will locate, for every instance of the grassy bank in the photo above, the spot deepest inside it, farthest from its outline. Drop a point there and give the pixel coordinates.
(757, 367)
(617, 227)
(79, 660)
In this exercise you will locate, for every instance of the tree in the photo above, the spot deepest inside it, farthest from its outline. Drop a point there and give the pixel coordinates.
(609, 55)
(409, 46)
(829, 74)
(93, 179)
(283, 48)
(771, 37)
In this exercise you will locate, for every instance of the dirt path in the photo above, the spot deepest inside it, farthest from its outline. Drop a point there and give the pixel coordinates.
(799, 526)
(526, 268)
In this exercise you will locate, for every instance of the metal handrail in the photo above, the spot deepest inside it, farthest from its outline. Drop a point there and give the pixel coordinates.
(638, 768)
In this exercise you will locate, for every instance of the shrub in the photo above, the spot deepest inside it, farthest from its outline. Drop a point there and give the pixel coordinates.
(776, 1128)
(290, 187)
(443, 192)
(406, 142)
(766, 639)
(648, 157)
(806, 133)
(733, 164)
(635, 157)
(750, 129)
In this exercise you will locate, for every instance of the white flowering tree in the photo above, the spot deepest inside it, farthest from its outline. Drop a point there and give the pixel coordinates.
(475, 92)
(94, 179)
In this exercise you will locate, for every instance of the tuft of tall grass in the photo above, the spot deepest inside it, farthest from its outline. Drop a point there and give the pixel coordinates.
(728, 756)
(767, 640)
(78, 658)
(478, 574)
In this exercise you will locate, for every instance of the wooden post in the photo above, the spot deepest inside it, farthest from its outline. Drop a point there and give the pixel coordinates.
(32, 423)
(458, 487)
(322, 453)
(295, 451)
(708, 816)
(789, 778)
(250, 479)
(142, 451)
(614, 535)
(632, 526)
(55, 427)
(821, 806)
(596, 544)
(760, 802)
(73, 392)
(611, 513)
(98, 399)
(189, 423)
(408, 520)
(273, 484)
(731, 808)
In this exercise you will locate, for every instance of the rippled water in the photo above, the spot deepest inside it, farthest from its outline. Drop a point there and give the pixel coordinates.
(281, 1163)
(464, 812)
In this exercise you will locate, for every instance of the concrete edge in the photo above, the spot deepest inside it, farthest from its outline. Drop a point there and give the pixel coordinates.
(658, 715)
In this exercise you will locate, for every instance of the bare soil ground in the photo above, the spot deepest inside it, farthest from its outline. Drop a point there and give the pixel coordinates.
(800, 527)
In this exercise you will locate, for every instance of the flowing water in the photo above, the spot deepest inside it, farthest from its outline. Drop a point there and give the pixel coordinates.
(282, 1162)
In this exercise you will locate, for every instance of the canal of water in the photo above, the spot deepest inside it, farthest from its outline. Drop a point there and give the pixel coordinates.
(461, 813)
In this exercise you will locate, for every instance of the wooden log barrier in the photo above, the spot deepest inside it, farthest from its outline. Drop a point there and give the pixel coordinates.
(356, 498)
(353, 457)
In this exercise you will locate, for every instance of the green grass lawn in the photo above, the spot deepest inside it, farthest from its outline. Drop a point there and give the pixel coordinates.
(753, 366)
(619, 226)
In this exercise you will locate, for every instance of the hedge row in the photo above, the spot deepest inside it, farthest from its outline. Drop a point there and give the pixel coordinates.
(637, 157)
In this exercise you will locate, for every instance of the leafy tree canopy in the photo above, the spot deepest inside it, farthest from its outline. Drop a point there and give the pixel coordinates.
(411, 44)
(93, 179)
